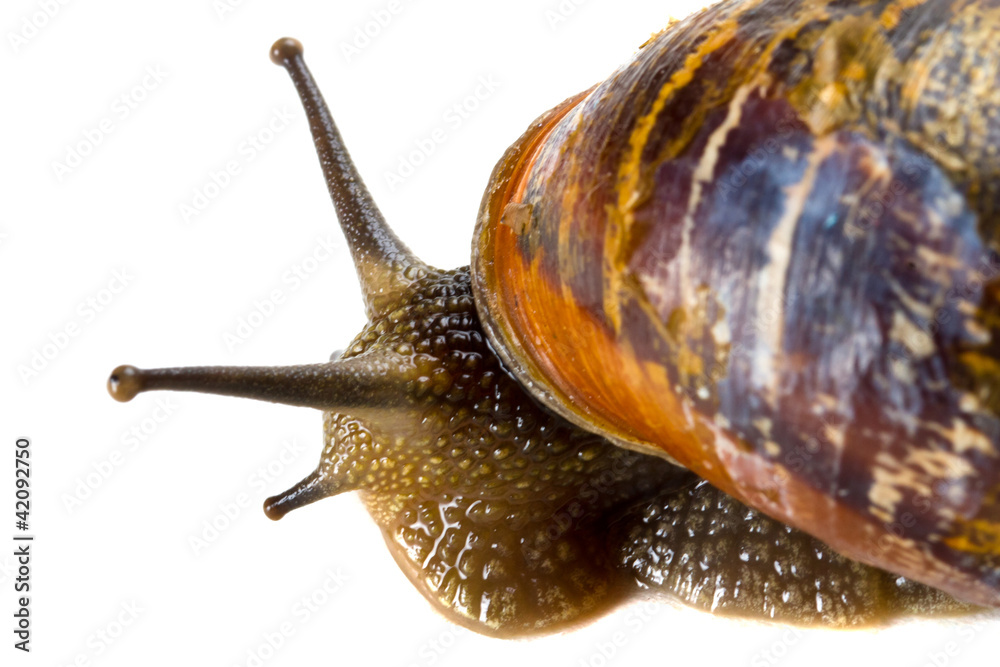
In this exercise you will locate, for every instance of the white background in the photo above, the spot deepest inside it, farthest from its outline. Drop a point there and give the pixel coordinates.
(108, 542)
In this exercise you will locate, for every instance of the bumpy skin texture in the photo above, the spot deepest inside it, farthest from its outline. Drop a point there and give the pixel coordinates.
(512, 521)
(777, 225)
(705, 549)
(491, 505)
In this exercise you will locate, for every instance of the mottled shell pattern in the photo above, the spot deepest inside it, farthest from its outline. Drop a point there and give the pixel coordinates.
(766, 248)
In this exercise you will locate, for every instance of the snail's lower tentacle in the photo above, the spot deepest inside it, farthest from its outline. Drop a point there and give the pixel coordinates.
(316, 486)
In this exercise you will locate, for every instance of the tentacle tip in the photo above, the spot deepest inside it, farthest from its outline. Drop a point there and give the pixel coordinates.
(284, 50)
(274, 509)
(124, 383)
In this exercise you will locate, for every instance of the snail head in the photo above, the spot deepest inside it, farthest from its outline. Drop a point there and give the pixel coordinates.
(492, 506)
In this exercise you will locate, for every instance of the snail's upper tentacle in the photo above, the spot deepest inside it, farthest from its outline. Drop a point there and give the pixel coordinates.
(365, 386)
(384, 264)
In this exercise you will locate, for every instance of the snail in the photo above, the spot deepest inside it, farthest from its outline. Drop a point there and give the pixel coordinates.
(729, 335)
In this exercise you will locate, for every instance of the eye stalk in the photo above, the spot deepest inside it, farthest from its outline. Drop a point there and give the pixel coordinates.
(386, 268)
(384, 264)
(349, 384)
(371, 387)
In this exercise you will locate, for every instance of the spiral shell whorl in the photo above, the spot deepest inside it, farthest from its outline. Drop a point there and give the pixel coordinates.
(744, 250)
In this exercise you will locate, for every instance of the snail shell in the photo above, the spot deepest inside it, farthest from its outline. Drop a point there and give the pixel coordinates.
(766, 246)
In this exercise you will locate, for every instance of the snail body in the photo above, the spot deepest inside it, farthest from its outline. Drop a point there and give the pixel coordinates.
(515, 427)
